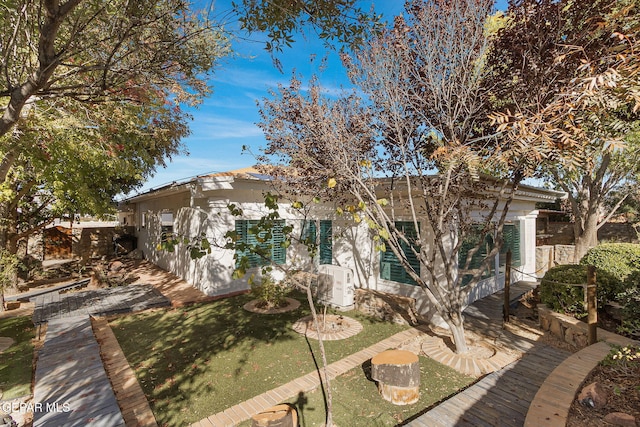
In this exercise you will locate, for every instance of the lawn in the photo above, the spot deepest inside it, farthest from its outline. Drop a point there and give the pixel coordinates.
(196, 361)
(356, 401)
(17, 361)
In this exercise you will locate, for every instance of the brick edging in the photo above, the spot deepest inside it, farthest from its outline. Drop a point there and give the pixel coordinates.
(551, 404)
(131, 399)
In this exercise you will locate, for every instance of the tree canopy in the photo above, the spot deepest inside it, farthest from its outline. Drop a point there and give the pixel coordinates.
(567, 85)
(91, 96)
(403, 154)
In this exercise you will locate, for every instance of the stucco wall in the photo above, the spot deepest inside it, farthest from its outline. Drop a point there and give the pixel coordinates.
(205, 211)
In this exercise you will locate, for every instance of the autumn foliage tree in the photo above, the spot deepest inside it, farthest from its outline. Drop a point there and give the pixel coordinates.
(567, 83)
(410, 144)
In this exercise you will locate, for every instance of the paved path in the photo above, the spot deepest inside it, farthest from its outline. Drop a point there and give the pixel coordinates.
(123, 299)
(71, 385)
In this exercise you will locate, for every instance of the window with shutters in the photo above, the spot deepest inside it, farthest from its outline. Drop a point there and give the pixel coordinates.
(270, 249)
(325, 249)
(471, 241)
(390, 266)
(511, 234)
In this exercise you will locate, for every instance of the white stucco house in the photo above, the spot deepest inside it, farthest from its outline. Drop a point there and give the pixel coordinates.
(199, 205)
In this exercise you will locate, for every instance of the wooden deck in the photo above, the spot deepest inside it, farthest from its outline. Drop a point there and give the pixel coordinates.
(501, 398)
(498, 399)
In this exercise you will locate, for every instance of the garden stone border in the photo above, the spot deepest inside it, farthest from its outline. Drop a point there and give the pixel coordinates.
(252, 306)
(354, 327)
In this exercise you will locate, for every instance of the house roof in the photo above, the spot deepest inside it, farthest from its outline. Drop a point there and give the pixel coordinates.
(208, 181)
(248, 173)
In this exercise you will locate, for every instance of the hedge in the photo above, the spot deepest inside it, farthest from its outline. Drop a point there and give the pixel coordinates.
(558, 294)
(617, 259)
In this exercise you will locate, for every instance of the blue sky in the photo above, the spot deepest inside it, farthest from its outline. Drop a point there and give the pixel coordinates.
(226, 120)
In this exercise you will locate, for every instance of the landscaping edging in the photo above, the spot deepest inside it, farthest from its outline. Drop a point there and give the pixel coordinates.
(551, 404)
(572, 330)
(252, 306)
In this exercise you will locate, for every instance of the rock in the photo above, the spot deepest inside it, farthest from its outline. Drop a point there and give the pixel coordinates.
(115, 266)
(593, 396)
(621, 419)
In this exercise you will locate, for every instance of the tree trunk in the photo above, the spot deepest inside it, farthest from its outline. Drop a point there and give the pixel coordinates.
(586, 237)
(456, 325)
(327, 383)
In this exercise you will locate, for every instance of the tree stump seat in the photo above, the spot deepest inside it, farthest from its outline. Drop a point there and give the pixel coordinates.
(397, 373)
(276, 416)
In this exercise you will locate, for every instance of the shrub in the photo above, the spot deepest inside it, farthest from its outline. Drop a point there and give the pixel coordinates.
(618, 260)
(630, 301)
(269, 293)
(558, 294)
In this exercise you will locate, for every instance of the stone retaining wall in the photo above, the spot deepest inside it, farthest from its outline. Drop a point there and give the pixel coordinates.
(389, 307)
(571, 330)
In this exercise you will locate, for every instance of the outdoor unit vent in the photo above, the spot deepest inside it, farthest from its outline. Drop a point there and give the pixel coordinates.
(335, 286)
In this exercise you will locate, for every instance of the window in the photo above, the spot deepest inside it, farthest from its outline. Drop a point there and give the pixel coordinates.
(166, 226)
(326, 240)
(390, 267)
(511, 234)
(471, 241)
(272, 248)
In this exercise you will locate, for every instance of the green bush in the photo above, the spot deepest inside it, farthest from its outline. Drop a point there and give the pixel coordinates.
(558, 294)
(630, 301)
(618, 260)
(269, 293)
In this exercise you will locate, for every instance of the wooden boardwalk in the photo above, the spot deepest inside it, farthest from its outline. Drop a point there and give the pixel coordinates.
(501, 398)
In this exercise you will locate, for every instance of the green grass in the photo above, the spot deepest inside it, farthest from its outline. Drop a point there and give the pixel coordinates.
(16, 362)
(199, 360)
(356, 401)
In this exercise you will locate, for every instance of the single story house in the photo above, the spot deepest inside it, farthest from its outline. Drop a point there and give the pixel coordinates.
(199, 206)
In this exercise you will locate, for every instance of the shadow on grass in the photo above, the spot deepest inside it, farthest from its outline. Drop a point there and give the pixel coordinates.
(216, 351)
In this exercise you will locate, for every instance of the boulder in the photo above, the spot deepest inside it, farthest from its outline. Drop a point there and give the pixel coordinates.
(621, 419)
(593, 396)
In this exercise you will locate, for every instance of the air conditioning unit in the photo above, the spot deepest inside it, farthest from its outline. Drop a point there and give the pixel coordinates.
(335, 286)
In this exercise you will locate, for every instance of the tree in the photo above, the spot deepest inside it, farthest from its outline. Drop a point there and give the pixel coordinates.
(91, 96)
(377, 157)
(332, 21)
(78, 163)
(567, 82)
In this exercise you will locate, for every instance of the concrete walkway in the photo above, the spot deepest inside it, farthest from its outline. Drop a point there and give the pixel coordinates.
(71, 385)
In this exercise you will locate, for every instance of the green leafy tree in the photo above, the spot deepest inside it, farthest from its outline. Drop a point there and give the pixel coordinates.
(90, 98)
(332, 21)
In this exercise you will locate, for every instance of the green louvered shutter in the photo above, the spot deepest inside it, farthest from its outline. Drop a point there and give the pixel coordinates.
(326, 242)
(471, 241)
(511, 234)
(246, 232)
(309, 231)
(390, 266)
(278, 251)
